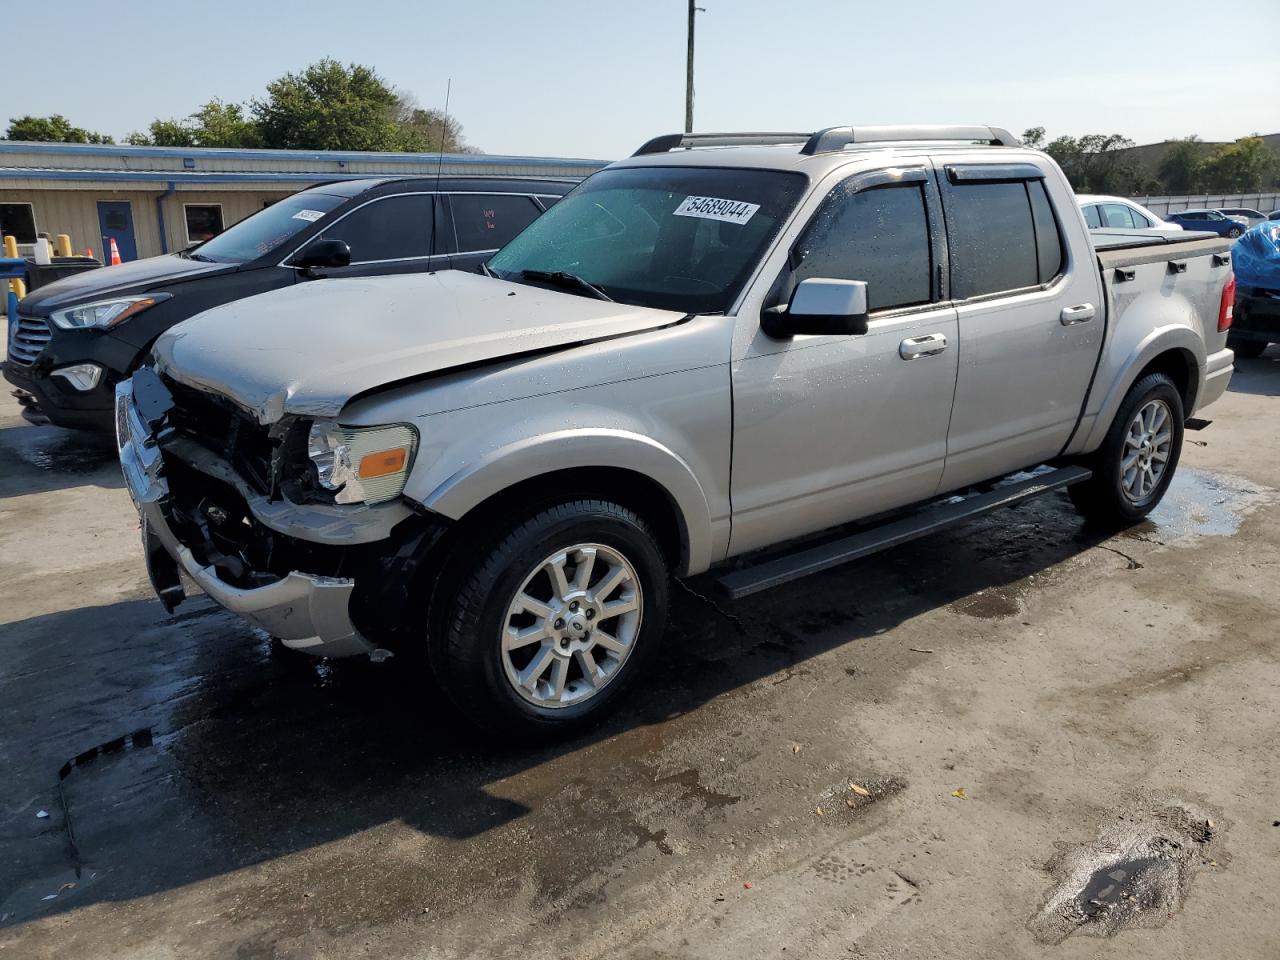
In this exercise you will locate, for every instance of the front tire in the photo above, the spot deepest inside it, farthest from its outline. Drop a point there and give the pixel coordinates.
(1234, 232)
(549, 617)
(1134, 465)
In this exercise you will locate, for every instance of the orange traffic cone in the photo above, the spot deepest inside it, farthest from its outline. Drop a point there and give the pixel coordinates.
(115, 253)
(88, 252)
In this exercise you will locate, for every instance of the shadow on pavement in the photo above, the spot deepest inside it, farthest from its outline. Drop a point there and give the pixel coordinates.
(1260, 376)
(251, 752)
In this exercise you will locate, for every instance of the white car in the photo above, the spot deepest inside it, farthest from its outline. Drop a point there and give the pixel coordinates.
(1247, 215)
(1117, 213)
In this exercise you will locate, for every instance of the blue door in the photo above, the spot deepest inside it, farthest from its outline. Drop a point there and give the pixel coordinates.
(115, 221)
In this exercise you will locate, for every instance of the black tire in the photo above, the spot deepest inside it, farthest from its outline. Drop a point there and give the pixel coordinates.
(1247, 349)
(1103, 497)
(1234, 232)
(471, 606)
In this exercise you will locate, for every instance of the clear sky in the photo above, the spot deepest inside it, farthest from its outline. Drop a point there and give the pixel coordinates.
(595, 79)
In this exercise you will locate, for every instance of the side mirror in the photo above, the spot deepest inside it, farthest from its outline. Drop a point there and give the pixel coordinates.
(821, 306)
(323, 253)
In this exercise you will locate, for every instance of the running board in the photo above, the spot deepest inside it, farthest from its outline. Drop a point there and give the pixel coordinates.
(780, 570)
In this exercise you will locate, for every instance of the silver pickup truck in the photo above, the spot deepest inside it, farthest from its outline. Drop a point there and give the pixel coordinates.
(706, 351)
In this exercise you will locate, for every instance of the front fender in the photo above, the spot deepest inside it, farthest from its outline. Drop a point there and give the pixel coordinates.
(500, 469)
(1120, 376)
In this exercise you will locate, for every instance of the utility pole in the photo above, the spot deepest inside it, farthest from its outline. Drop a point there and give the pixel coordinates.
(688, 81)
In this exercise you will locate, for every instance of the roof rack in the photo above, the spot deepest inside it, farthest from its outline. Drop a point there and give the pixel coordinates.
(832, 139)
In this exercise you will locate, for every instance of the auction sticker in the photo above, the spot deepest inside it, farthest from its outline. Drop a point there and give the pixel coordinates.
(714, 208)
(311, 216)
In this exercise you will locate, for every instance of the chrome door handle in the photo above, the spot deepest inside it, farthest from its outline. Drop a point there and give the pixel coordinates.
(1076, 314)
(926, 346)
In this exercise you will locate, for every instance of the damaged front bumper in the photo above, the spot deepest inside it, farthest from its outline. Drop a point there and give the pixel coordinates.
(306, 611)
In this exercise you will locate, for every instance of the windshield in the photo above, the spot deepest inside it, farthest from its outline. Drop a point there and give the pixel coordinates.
(260, 233)
(676, 238)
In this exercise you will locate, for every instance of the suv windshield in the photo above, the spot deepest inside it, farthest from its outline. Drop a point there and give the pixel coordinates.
(260, 233)
(676, 238)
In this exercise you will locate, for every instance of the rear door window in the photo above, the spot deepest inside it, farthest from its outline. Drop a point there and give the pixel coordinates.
(878, 235)
(391, 228)
(1003, 237)
(1092, 217)
(488, 221)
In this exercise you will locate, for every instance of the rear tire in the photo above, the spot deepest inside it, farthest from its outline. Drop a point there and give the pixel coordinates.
(545, 618)
(1234, 232)
(1247, 349)
(1134, 465)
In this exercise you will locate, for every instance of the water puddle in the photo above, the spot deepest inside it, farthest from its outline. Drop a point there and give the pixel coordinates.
(61, 451)
(1137, 873)
(1201, 504)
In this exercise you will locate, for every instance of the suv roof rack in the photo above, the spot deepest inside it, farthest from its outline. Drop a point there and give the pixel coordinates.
(832, 139)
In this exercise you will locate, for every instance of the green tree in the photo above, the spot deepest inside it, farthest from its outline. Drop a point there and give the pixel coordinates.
(52, 129)
(164, 133)
(1245, 165)
(420, 129)
(1179, 171)
(1033, 137)
(1097, 162)
(219, 124)
(329, 107)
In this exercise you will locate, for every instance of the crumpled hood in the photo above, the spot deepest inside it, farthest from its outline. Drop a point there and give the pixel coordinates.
(136, 276)
(1256, 256)
(309, 348)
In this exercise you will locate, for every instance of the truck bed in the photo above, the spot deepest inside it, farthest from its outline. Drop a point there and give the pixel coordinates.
(1127, 239)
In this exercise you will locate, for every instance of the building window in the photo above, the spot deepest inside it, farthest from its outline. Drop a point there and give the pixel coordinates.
(18, 220)
(204, 221)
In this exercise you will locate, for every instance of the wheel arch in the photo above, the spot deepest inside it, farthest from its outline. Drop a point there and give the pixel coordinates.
(1174, 352)
(634, 470)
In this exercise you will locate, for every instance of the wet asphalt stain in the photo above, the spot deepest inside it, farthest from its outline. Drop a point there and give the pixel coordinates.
(847, 799)
(65, 451)
(1201, 504)
(993, 604)
(1136, 873)
(690, 781)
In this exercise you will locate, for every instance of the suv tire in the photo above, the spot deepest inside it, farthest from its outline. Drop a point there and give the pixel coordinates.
(524, 641)
(1134, 465)
(1247, 349)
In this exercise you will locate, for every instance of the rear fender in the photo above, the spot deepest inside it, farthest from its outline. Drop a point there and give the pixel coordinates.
(1165, 339)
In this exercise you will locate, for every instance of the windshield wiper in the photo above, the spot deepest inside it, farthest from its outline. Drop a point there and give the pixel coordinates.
(201, 257)
(569, 281)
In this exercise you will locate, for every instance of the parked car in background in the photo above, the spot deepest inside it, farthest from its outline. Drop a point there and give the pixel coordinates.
(1214, 221)
(1248, 215)
(1119, 213)
(697, 354)
(1274, 215)
(1256, 262)
(75, 339)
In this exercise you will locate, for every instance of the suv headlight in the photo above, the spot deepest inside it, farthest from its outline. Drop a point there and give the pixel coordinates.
(103, 314)
(362, 464)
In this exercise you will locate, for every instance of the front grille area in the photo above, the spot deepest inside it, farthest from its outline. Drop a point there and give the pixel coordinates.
(224, 428)
(27, 339)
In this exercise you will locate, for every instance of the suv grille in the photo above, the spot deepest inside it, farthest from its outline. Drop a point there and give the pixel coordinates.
(27, 339)
(220, 426)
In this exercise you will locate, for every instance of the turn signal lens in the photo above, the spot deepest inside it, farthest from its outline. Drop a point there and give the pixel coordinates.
(382, 463)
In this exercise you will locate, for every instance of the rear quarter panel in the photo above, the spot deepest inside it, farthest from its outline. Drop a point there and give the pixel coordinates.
(1158, 311)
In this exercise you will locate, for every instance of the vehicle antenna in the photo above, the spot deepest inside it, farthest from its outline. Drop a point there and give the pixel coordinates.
(444, 128)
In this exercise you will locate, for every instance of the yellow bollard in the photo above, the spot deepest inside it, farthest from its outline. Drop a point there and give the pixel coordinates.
(64, 246)
(11, 247)
(19, 287)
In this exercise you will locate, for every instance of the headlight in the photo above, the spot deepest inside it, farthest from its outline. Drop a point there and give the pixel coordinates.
(362, 464)
(105, 313)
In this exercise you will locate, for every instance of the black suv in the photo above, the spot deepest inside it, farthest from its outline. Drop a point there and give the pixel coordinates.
(76, 338)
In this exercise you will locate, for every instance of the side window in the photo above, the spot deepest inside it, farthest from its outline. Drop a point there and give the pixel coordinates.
(1117, 215)
(1139, 220)
(485, 221)
(392, 228)
(1049, 254)
(547, 201)
(879, 235)
(993, 241)
(1092, 218)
